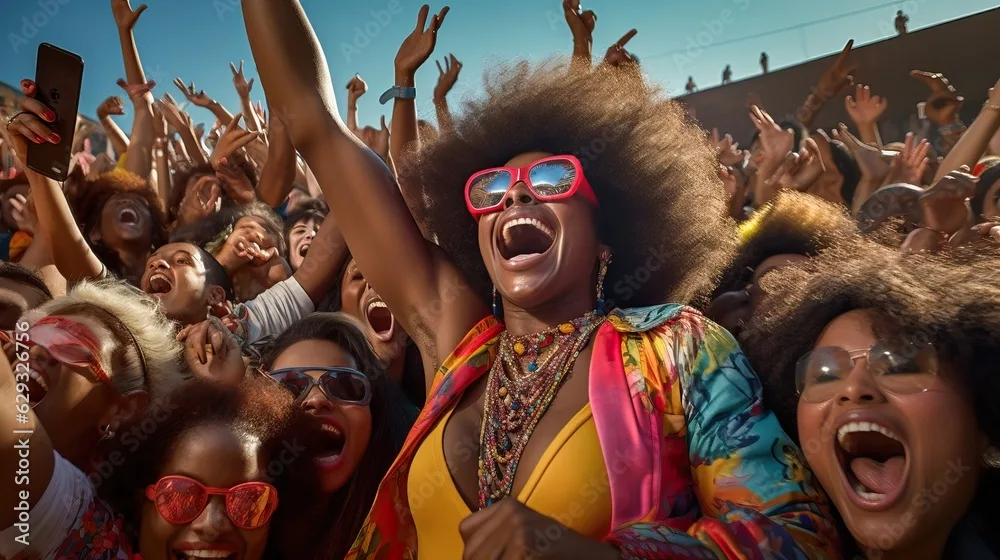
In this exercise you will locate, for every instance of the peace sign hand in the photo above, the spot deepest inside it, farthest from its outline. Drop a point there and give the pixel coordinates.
(243, 87)
(419, 44)
(193, 95)
(125, 17)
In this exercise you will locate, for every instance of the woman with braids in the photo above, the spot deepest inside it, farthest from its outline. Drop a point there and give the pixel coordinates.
(552, 426)
(884, 364)
(329, 367)
(792, 227)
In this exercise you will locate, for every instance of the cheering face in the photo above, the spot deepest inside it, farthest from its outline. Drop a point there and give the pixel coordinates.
(8, 208)
(300, 239)
(347, 427)
(69, 399)
(126, 220)
(176, 275)
(16, 298)
(734, 309)
(216, 457)
(360, 301)
(900, 468)
(537, 251)
(249, 244)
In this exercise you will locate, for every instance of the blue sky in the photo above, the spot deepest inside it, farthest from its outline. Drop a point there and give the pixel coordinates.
(196, 39)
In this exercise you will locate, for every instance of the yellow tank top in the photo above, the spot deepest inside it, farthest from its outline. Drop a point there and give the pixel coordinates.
(569, 484)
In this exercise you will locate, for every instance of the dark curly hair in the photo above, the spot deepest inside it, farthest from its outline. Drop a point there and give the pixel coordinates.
(259, 410)
(88, 197)
(650, 166)
(340, 519)
(208, 232)
(179, 185)
(23, 275)
(312, 209)
(949, 298)
(791, 223)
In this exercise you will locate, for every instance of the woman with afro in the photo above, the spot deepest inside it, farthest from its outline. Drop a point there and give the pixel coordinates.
(553, 425)
(883, 365)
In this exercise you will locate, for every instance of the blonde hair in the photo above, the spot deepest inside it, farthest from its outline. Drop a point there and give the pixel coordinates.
(157, 367)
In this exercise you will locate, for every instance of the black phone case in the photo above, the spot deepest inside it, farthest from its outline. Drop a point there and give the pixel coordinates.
(59, 79)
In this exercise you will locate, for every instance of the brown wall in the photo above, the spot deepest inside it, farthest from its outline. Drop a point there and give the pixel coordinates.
(963, 50)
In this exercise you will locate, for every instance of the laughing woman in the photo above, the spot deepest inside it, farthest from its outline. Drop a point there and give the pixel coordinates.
(550, 426)
(885, 367)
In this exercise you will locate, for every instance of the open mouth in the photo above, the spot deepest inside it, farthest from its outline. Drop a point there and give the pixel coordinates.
(380, 319)
(331, 446)
(128, 215)
(304, 248)
(38, 387)
(524, 238)
(873, 460)
(159, 284)
(219, 554)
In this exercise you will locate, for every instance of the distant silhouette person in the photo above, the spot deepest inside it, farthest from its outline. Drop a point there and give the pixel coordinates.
(691, 86)
(763, 61)
(901, 21)
(727, 75)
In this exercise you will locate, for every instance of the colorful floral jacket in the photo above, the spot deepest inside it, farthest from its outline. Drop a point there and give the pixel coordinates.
(697, 468)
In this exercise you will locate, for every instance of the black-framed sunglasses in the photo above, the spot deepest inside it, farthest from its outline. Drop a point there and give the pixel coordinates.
(339, 384)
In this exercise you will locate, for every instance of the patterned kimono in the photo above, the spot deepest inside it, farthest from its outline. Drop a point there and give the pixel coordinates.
(697, 468)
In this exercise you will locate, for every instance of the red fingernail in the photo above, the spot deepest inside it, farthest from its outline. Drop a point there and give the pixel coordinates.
(49, 115)
(26, 84)
(55, 138)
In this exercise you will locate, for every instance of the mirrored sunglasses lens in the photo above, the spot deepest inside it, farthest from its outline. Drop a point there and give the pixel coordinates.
(553, 178)
(297, 383)
(488, 189)
(251, 505)
(179, 500)
(819, 373)
(904, 369)
(345, 386)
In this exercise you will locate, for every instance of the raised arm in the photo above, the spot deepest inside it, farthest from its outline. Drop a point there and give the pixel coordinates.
(973, 144)
(74, 258)
(435, 304)
(865, 110)
(447, 77)
(113, 106)
(160, 160)
(830, 83)
(139, 159)
(581, 25)
(415, 50)
(201, 99)
(355, 89)
(243, 88)
(278, 175)
(181, 123)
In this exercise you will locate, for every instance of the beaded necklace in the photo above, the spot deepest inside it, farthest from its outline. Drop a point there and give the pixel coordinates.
(518, 395)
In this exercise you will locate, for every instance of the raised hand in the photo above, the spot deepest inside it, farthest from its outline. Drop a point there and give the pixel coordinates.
(870, 160)
(194, 96)
(240, 82)
(775, 142)
(617, 55)
(944, 102)
(726, 149)
(911, 164)
(231, 140)
(135, 91)
(25, 216)
(159, 124)
(29, 124)
(125, 16)
(865, 108)
(235, 182)
(799, 170)
(111, 106)
(212, 352)
(261, 114)
(945, 205)
(356, 87)
(380, 142)
(581, 25)
(419, 44)
(839, 74)
(176, 117)
(447, 77)
(201, 201)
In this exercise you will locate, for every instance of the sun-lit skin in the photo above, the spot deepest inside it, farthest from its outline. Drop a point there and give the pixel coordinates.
(180, 283)
(251, 277)
(217, 457)
(299, 240)
(353, 421)
(938, 431)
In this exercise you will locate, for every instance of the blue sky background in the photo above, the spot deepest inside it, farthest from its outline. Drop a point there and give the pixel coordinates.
(196, 39)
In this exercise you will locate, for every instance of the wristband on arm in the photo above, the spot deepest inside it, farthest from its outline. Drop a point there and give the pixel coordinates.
(398, 92)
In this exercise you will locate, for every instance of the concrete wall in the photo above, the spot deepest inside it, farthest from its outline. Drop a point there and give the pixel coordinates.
(965, 51)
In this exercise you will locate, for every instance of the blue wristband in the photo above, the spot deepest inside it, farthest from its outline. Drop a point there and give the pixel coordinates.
(399, 92)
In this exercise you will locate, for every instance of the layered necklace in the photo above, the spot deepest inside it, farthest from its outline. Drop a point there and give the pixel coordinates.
(524, 379)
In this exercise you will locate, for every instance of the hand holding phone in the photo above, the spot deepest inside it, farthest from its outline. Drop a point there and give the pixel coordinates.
(58, 80)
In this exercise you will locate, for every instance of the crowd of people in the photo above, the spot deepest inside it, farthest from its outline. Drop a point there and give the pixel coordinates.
(291, 335)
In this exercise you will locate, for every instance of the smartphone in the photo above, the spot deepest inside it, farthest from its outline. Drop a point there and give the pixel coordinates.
(58, 77)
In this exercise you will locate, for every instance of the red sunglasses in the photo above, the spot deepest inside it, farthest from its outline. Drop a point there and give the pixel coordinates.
(552, 178)
(180, 500)
(69, 342)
